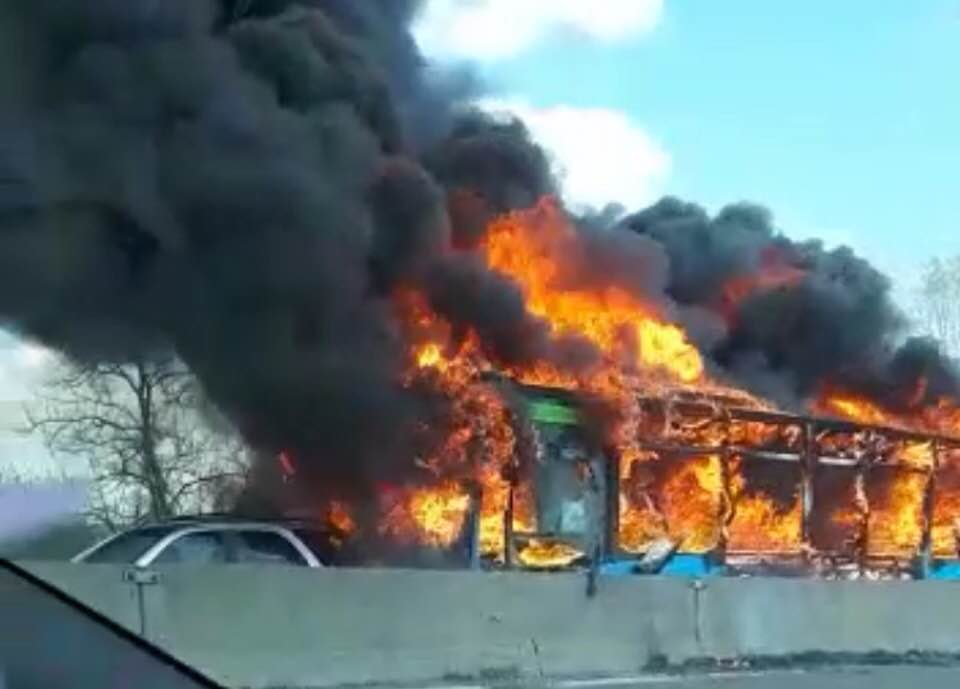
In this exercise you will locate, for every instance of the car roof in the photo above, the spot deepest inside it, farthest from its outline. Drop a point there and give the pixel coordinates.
(237, 521)
(303, 531)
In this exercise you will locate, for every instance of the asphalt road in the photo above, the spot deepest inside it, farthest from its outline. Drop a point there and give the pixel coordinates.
(884, 677)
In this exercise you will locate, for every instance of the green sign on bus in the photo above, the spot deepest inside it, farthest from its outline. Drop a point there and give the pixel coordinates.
(551, 411)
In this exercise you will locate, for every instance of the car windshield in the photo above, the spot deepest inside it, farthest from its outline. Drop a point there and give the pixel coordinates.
(129, 546)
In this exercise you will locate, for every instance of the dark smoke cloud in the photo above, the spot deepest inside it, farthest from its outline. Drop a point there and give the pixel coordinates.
(219, 180)
(424, 96)
(599, 258)
(470, 297)
(913, 376)
(837, 325)
(239, 182)
(705, 252)
(491, 165)
(823, 328)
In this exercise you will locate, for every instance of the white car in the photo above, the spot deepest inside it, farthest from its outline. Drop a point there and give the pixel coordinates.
(214, 540)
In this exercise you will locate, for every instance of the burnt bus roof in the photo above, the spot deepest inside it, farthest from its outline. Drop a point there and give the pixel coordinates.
(706, 405)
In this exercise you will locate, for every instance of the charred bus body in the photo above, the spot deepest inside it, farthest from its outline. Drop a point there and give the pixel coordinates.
(754, 490)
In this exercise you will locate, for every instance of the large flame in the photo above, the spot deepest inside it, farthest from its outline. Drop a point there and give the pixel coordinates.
(895, 515)
(943, 417)
(431, 516)
(847, 405)
(759, 523)
(545, 554)
(946, 506)
(700, 498)
(638, 347)
(533, 249)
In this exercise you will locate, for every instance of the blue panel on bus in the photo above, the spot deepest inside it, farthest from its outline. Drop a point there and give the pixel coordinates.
(618, 568)
(686, 565)
(679, 565)
(945, 569)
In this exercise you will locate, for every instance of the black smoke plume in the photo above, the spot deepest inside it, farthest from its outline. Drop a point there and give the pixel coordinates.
(241, 182)
(836, 325)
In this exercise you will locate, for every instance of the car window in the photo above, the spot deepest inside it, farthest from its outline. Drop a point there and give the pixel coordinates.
(203, 547)
(266, 547)
(321, 543)
(129, 546)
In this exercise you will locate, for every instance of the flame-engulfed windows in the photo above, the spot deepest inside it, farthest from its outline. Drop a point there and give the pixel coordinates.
(837, 518)
(816, 490)
(945, 532)
(895, 522)
(566, 483)
(747, 485)
(765, 510)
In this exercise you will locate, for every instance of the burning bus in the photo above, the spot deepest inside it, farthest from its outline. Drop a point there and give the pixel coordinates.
(762, 490)
(579, 459)
(732, 488)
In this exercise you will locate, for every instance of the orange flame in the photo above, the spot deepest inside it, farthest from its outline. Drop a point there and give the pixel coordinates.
(946, 507)
(895, 524)
(943, 417)
(896, 518)
(545, 554)
(432, 516)
(854, 408)
(534, 248)
(700, 501)
(340, 517)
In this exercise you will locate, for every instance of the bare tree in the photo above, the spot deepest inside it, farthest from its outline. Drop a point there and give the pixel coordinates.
(938, 302)
(145, 432)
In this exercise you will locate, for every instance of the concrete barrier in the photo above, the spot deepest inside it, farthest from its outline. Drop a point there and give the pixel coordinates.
(774, 617)
(269, 627)
(302, 628)
(47, 642)
(102, 587)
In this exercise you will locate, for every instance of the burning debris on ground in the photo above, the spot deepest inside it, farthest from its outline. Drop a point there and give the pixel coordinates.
(381, 288)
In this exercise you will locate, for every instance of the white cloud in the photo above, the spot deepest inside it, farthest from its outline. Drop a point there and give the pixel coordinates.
(32, 356)
(599, 155)
(23, 365)
(495, 29)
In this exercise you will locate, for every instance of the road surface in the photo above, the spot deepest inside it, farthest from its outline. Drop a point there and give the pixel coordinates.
(887, 677)
(881, 677)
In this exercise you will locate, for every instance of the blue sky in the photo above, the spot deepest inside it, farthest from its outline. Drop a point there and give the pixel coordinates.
(840, 116)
